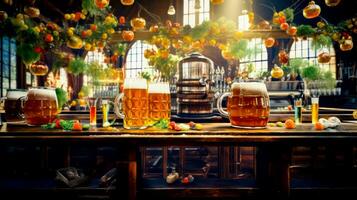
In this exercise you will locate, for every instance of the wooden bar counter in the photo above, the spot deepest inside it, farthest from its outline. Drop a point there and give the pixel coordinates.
(272, 157)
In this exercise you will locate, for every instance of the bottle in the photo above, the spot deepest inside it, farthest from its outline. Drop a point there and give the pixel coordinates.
(298, 111)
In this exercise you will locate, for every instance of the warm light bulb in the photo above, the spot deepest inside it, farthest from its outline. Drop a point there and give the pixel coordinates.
(171, 10)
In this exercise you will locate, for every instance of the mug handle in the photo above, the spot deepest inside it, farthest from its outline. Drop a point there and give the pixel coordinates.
(22, 104)
(118, 107)
(2, 102)
(113, 121)
(219, 104)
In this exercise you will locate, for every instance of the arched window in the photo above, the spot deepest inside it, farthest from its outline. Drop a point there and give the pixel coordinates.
(8, 72)
(259, 56)
(303, 49)
(135, 60)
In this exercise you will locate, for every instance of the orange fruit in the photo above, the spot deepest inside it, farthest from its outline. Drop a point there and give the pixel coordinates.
(290, 124)
(319, 126)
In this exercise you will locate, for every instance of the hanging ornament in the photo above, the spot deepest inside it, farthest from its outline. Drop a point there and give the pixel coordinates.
(217, 2)
(127, 2)
(283, 57)
(101, 3)
(171, 10)
(332, 3)
(312, 10)
(128, 36)
(323, 57)
(138, 23)
(346, 44)
(38, 68)
(277, 72)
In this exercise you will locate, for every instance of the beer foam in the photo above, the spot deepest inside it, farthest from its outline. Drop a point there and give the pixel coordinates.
(135, 83)
(161, 88)
(42, 94)
(15, 95)
(249, 88)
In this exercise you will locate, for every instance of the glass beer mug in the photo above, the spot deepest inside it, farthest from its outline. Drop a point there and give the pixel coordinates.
(40, 106)
(133, 105)
(159, 102)
(12, 105)
(248, 105)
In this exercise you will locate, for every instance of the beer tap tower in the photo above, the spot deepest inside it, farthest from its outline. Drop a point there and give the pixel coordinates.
(195, 96)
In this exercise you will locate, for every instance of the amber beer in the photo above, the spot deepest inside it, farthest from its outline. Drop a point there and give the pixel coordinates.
(247, 105)
(135, 104)
(40, 106)
(159, 102)
(12, 105)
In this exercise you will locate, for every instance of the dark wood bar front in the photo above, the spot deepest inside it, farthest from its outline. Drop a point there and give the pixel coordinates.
(273, 150)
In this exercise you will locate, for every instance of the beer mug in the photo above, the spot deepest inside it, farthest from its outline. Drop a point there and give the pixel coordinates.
(12, 105)
(159, 102)
(248, 105)
(133, 105)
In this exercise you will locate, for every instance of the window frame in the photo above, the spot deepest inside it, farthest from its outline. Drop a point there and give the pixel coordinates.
(204, 11)
(254, 58)
(312, 54)
(12, 67)
(137, 59)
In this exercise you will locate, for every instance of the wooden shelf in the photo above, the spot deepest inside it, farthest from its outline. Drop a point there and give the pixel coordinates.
(200, 188)
(145, 35)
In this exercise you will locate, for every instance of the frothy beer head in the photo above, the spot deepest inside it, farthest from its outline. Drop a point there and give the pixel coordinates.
(135, 83)
(159, 88)
(249, 88)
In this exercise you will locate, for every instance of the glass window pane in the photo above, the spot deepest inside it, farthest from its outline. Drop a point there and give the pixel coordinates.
(5, 71)
(13, 73)
(28, 78)
(13, 60)
(5, 57)
(5, 43)
(5, 83)
(13, 84)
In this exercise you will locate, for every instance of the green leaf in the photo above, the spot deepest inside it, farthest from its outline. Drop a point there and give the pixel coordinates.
(239, 49)
(289, 14)
(311, 72)
(162, 124)
(321, 41)
(305, 31)
(77, 66)
(27, 53)
(61, 97)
